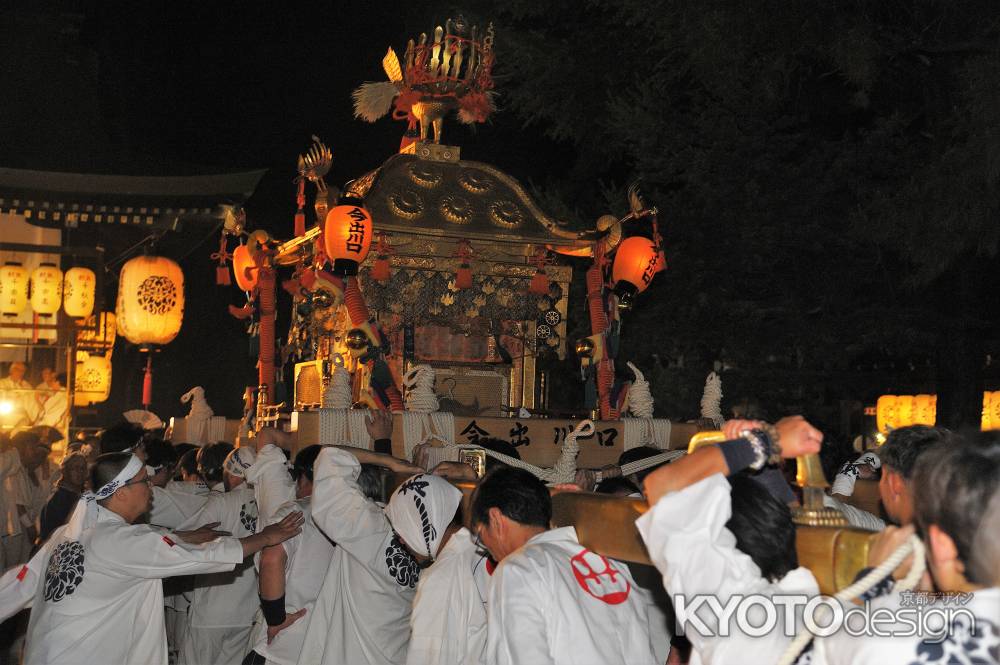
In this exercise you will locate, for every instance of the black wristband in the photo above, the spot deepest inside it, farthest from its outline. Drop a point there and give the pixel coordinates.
(882, 588)
(383, 446)
(273, 610)
(739, 454)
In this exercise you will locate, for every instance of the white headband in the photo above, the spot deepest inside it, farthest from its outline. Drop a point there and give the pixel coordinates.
(239, 461)
(421, 509)
(131, 469)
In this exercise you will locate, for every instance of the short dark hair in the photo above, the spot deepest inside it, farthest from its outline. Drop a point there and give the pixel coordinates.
(640, 453)
(106, 467)
(25, 440)
(189, 461)
(517, 493)
(211, 460)
(763, 527)
(616, 485)
(121, 437)
(954, 483)
(904, 445)
(497, 446)
(160, 453)
(304, 461)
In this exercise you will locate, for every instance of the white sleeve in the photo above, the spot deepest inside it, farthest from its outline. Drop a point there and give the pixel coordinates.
(140, 551)
(172, 507)
(208, 513)
(688, 542)
(19, 584)
(516, 619)
(273, 485)
(339, 507)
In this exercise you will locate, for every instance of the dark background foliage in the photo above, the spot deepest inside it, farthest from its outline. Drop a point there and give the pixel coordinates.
(827, 172)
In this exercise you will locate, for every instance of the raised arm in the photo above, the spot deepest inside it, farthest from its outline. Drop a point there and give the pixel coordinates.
(339, 507)
(274, 488)
(794, 437)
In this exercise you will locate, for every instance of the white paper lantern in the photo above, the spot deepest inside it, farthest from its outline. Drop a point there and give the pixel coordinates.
(46, 289)
(93, 379)
(13, 289)
(79, 286)
(150, 307)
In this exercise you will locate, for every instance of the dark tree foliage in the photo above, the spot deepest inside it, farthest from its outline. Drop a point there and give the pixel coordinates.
(827, 175)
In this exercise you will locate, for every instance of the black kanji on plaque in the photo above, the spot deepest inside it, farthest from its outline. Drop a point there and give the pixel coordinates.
(473, 432)
(517, 435)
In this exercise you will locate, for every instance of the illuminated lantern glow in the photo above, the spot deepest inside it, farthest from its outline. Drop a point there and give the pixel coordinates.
(636, 263)
(150, 306)
(347, 236)
(245, 269)
(79, 286)
(925, 409)
(93, 379)
(98, 332)
(885, 413)
(904, 410)
(46, 289)
(13, 289)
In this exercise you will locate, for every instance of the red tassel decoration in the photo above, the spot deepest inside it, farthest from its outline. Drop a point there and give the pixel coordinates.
(300, 215)
(147, 383)
(222, 277)
(463, 276)
(380, 271)
(539, 282)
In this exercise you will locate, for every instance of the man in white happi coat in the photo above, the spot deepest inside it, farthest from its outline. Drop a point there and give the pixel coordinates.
(20, 395)
(710, 537)
(551, 600)
(95, 588)
(448, 621)
(956, 509)
(223, 604)
(363, 611)
(291, 573)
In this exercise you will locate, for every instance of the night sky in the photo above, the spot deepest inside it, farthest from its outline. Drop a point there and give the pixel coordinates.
(178, 88)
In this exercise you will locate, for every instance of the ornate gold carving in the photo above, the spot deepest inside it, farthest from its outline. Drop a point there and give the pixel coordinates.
(506, 214)
(433, 152)
(425, 175)
(360, 186)
(456, 209)
(407, 204)
(475, 182)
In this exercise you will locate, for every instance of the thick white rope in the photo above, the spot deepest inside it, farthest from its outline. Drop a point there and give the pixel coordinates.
(564, 470)
(422, 422)
(640, 400)
(420, 396)
(914, 545)
(338, 392)
(650, 462)
(646, 432)
(711, 399)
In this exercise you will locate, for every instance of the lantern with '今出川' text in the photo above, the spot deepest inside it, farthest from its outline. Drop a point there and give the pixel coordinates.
(150, 306)
(79, 286)
(636, 263)
(46, 289)
(347, 236)
(13, 289)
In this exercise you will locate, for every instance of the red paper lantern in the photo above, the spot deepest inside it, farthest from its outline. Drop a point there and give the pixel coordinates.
(636, 263)
(244, 268)
(347, 236)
